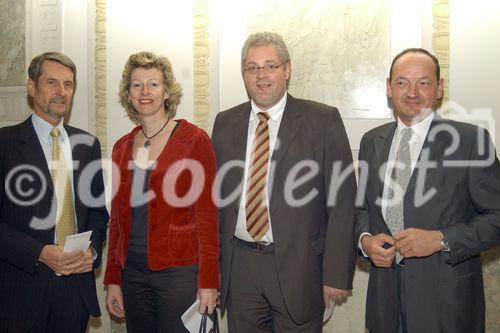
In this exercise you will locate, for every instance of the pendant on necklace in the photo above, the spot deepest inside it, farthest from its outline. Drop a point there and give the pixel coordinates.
(147, 143)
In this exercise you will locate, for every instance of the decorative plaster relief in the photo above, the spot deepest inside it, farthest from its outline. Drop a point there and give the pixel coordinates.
(44, 31)
(100, 74)
(441, 40)
(201, 52)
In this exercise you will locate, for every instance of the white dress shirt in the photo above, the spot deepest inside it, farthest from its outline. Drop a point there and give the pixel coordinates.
(416, 143)
(275, 115)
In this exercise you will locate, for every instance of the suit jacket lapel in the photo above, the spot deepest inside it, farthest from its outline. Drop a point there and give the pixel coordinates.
(32, 150)
(76, 156)
(290, 124)
(239, 126)
(382, 146)
(433, 152)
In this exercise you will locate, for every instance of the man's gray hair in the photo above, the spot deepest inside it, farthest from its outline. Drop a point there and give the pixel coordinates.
(265, 39)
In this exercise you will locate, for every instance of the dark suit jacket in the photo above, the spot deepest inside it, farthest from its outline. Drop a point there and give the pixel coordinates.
(311, 241)
(22, 277)
(444, 291)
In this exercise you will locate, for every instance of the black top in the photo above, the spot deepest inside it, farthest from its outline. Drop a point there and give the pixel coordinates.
(139, 202)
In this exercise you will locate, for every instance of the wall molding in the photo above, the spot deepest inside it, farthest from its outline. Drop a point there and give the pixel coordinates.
(100, 75)
(201, 73)
(441, 41)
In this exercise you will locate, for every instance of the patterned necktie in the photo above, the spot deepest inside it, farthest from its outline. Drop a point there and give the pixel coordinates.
(400, 178)
(256, 206)
(65, 225)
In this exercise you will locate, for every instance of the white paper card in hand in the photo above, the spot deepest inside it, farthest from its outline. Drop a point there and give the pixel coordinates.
(192, 319)
(328, 311)
(77, 242)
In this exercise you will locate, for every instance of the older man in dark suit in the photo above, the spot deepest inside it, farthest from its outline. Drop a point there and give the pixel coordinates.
(431, 204)
(51, 186)
(286, 200)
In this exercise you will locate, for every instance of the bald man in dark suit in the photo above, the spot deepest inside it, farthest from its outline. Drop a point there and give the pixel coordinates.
(423, 232)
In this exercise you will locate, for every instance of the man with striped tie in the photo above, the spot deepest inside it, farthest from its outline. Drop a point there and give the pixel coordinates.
(285, 236)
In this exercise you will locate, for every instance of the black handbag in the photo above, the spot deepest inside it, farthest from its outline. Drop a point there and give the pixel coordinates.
(204, 320)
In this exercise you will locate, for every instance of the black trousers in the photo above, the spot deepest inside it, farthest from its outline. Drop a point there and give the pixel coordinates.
(63, 310)
(155, 301)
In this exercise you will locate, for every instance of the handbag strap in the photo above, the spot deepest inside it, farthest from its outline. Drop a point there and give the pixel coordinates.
(216, 322)
(204, 320)
(203, 323)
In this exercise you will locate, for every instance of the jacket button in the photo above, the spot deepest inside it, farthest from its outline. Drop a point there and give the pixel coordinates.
(153, 227)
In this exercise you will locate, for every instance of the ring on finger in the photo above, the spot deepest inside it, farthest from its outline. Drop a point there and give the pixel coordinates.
(68, 267)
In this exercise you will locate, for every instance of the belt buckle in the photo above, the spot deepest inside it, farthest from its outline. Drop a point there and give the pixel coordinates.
(261, 245)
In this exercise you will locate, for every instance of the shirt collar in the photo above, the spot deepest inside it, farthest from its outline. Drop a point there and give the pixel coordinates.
(275, 112)
(43, 128)
(421, 128)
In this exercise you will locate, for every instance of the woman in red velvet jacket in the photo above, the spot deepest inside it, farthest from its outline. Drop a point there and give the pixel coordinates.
(163, 248)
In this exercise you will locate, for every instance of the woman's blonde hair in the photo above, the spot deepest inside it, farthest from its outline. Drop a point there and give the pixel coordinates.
(148, 60)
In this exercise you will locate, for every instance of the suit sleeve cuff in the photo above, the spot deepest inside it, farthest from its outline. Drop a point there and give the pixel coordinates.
(359, 243)
(94, 253)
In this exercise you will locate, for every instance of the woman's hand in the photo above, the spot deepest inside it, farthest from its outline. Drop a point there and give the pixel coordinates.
(114, 301)
(208, 299)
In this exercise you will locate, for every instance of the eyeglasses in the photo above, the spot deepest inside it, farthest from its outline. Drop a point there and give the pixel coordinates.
(152, 85)
(268, 68)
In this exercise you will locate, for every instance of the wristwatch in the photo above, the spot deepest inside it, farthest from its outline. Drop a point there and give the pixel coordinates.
(444, 243)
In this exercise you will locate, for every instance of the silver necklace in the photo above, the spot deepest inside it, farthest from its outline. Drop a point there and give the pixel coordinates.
(147, 143)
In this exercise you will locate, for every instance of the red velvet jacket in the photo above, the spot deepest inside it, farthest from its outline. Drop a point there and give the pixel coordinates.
(178, 234)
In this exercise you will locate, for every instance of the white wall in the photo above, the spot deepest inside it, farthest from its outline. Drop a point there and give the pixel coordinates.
(147, 25)
(77, 38)
(475, 56)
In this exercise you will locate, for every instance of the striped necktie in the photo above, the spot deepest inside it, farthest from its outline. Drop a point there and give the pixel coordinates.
(256, 206)
(65, 225)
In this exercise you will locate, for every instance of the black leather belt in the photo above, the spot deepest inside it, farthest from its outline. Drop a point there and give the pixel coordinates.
(261, 246)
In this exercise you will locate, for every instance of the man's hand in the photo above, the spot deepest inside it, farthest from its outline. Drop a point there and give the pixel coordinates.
(66, 263)
(373, 247)
(337, 295)
(84, 263)
(208, 298)
(414, 242)
(114, 301)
